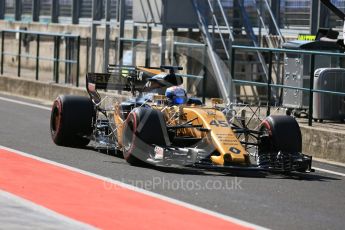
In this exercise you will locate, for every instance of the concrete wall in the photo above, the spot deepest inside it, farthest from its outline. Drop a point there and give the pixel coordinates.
(322, 143)
(41, 90)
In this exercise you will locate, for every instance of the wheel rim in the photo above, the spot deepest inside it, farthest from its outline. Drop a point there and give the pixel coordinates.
(56, 119)
(266, 128)
(129, 136)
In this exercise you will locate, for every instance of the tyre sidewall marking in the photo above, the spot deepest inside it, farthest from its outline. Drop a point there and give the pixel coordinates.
(58, 105)
(128, 153)
(267, 125)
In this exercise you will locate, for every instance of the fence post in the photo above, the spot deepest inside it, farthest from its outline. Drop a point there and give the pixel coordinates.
(148, 46)
(75, 11)
(163, 44)
(54, 62)
(233, 63)
(35, 10)
(204, 80)
(2, 51)
(275, 6)
(56, 58)
(2, 9)
(18, 10)
(19, 53)
(78, 61)
(55, 11)
(87, 55)
(269, 91)
(37, 55)
(311, 88)
(173, 49)
(67, 57)
(106, 46)
(96, 15)
(134, 47)
(122, 18)
(314, 16)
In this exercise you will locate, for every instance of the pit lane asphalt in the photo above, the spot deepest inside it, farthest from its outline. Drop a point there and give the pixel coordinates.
(309, 201)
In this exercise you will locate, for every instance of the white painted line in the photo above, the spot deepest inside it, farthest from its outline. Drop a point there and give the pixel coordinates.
(329, 171)
(25, 103)
(136, 189)
(328, 162)
(40, 209)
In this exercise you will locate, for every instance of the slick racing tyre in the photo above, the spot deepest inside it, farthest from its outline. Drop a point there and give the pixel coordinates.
(280, 146)
(284, 134)
(144, 127)
(71, 120)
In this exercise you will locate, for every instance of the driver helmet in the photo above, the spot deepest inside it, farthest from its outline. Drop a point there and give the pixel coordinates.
(176, 95)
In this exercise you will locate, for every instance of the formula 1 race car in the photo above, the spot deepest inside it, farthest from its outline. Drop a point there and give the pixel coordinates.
(171, 129)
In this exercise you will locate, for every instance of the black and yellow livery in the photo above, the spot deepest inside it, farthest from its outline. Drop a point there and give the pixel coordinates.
(147, 129)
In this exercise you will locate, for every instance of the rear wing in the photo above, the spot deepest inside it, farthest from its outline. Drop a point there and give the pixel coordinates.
(102, 81)
(117, 78)
(126, 78)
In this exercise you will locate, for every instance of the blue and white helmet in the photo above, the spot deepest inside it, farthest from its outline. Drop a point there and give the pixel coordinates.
(176, 95)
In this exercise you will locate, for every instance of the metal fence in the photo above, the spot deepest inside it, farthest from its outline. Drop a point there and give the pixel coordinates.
(72, 47)
(269, 84)
(64, 9)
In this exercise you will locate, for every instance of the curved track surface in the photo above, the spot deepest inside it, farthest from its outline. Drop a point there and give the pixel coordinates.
(298, 201)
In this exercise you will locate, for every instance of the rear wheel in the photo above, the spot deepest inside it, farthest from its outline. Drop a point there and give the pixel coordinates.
(71, 120)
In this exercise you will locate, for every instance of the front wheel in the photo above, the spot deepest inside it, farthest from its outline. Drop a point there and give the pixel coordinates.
(144, 128)
(282, 134)
(280, 145)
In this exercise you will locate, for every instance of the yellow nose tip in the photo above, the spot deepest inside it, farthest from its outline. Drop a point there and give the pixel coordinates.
(217, 160)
